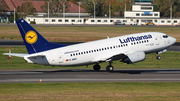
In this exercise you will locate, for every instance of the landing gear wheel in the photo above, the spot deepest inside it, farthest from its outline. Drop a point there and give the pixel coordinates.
(97, 67)
(158, 57)
(109, 68)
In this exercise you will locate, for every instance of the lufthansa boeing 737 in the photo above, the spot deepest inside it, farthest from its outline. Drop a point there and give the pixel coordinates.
(128, 48)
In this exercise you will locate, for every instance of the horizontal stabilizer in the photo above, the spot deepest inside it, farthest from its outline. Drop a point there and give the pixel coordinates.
(16, 54)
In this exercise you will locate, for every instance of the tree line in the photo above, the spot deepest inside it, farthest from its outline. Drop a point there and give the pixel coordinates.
(164, 6)
(102, 7)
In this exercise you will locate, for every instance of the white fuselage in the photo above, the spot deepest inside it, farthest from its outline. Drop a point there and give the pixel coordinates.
(101, 50)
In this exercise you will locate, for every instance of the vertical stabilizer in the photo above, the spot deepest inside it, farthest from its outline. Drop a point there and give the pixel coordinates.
(33, 40)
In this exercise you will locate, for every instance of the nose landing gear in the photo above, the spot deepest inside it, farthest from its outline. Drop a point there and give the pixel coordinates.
(158, 57)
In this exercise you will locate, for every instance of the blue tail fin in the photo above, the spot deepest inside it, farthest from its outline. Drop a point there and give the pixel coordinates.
(33, 40)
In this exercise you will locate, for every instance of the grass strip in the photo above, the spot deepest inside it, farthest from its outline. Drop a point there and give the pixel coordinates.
(86, 33)
(90, 91)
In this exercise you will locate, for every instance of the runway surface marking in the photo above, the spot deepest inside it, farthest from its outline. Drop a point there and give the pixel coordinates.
(88, 80)
(9, 73)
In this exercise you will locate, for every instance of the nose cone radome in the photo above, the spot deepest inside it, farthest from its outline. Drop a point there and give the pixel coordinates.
(173, 40)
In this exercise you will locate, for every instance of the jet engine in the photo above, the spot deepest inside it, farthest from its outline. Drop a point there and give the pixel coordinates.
(134, 57)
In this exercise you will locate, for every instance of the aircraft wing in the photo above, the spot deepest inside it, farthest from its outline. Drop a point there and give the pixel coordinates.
(116, 57)
(110, 57)
(16, 54)
(127, 56)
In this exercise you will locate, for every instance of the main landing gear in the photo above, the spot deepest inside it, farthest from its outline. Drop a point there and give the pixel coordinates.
(97, 67)
(109, 68)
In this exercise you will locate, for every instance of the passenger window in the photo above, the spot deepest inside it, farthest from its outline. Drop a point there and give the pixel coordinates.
(114, 47)
(76, 53)
(71, 54)
(94, 50)
(119, 46)
(81, 52)
(147, 41)
(110, 47)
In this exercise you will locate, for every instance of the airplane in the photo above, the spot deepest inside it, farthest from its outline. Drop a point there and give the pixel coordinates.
(128, 49)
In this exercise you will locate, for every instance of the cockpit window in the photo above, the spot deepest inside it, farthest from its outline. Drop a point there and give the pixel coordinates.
(165, 36)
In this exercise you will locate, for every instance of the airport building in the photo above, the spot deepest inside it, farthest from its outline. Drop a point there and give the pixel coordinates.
(142, 9)
(142, 12)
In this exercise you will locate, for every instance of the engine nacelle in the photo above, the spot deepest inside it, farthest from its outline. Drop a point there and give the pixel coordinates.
(134, 57)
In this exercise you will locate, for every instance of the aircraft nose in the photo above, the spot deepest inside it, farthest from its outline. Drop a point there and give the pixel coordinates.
(173, 40)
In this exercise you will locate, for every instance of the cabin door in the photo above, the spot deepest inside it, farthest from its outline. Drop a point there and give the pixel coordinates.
(60, 56)
(156, 40)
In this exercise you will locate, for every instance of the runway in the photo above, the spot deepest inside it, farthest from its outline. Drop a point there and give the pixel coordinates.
(89, 75)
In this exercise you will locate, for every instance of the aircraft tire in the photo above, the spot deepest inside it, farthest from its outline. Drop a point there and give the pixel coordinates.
(158, 57)
(109, 68)
(97, 67)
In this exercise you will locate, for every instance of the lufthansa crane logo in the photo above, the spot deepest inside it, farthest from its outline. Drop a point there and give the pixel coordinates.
(31, 37)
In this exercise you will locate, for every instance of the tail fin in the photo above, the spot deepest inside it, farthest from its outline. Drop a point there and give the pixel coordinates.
(33, 40)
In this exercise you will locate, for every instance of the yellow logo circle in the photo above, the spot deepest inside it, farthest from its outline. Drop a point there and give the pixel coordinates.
(31, 37)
